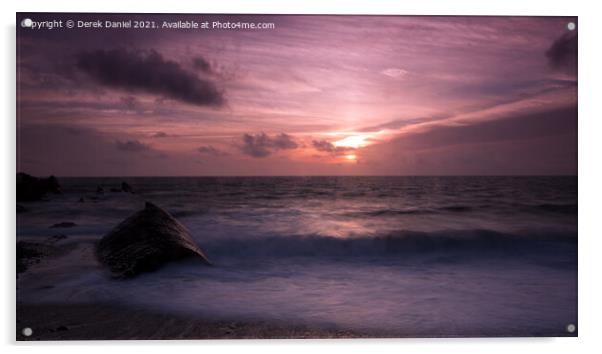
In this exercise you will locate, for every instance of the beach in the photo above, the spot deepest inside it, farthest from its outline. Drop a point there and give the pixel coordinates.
(110, 322)
(331, 257)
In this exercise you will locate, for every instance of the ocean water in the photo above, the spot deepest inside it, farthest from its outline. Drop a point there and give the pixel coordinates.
(390, 256)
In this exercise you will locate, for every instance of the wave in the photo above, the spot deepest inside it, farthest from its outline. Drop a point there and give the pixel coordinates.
(413, 211)
(546, 208)
(570, 208)
(406, 243)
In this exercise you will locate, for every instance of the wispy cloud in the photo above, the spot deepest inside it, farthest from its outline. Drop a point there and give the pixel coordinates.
(132, 146)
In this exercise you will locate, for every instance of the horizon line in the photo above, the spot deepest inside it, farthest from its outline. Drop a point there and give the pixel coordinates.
(304, 176)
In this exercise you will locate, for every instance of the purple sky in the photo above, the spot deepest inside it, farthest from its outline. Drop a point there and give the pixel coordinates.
(317, 95)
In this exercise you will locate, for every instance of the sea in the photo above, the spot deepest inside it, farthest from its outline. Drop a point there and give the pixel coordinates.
(383, 256)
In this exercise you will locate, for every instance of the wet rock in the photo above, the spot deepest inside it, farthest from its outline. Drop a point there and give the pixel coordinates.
(30, 188)
(126, 187)
(145, 241)
(100, 190)
(56, 238)
(30, 253)
(63, 224)
(115, 190)
(81, 200)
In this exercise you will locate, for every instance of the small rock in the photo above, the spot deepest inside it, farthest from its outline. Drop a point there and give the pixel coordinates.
(56, 238)
(126, 187)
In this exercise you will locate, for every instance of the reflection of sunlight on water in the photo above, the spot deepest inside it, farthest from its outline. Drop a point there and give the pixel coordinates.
(340, 228)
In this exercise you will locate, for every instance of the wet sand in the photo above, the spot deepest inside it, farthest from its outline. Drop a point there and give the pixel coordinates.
(111, 322)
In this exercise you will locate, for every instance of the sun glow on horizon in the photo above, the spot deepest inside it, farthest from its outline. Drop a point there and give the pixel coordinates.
(353, 141)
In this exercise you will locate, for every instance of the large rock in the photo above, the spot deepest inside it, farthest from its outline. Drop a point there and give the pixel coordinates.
(30, 188)
(145, 241)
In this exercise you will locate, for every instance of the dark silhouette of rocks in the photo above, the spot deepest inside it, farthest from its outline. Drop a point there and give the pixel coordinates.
(30, 188)
(145, 241)
(126, 187)
(63, 224)
(29, 253)
(100, 190)
(115, 190)
(81, 200)
(21, 209)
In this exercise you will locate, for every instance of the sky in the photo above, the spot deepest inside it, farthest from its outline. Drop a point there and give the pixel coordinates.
(315, 95)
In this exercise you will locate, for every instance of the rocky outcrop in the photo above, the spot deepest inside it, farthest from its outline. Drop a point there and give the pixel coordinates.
(30, 188)
(145, 241)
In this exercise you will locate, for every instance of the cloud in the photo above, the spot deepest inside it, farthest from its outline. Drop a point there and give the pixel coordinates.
(148, 71)
(326, 146)
(523, 126)
(201, 64)
(404, 122)
(262, 145)
(131, 146)
(130, 103)
(394, 72)
(73, 150)
(562, 55)
(160, 135)
(210, 150)
(531, 143)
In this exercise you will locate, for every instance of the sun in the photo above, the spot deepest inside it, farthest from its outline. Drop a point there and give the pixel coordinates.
(351, 157)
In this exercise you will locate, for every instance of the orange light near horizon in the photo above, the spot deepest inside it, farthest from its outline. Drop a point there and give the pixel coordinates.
(351, 157)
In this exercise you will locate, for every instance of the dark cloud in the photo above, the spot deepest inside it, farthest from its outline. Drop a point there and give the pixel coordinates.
(210, 150)
(562, 55)
(49, 149)
(262, 145)
(542, 142)
(160, 135)
(323, 145)
(326, 146)
(148, 71)
(201, 64)
(131, 146)
(283, 142)
(521, 127)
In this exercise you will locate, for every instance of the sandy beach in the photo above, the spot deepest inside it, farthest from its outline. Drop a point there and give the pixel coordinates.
(111, 322)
